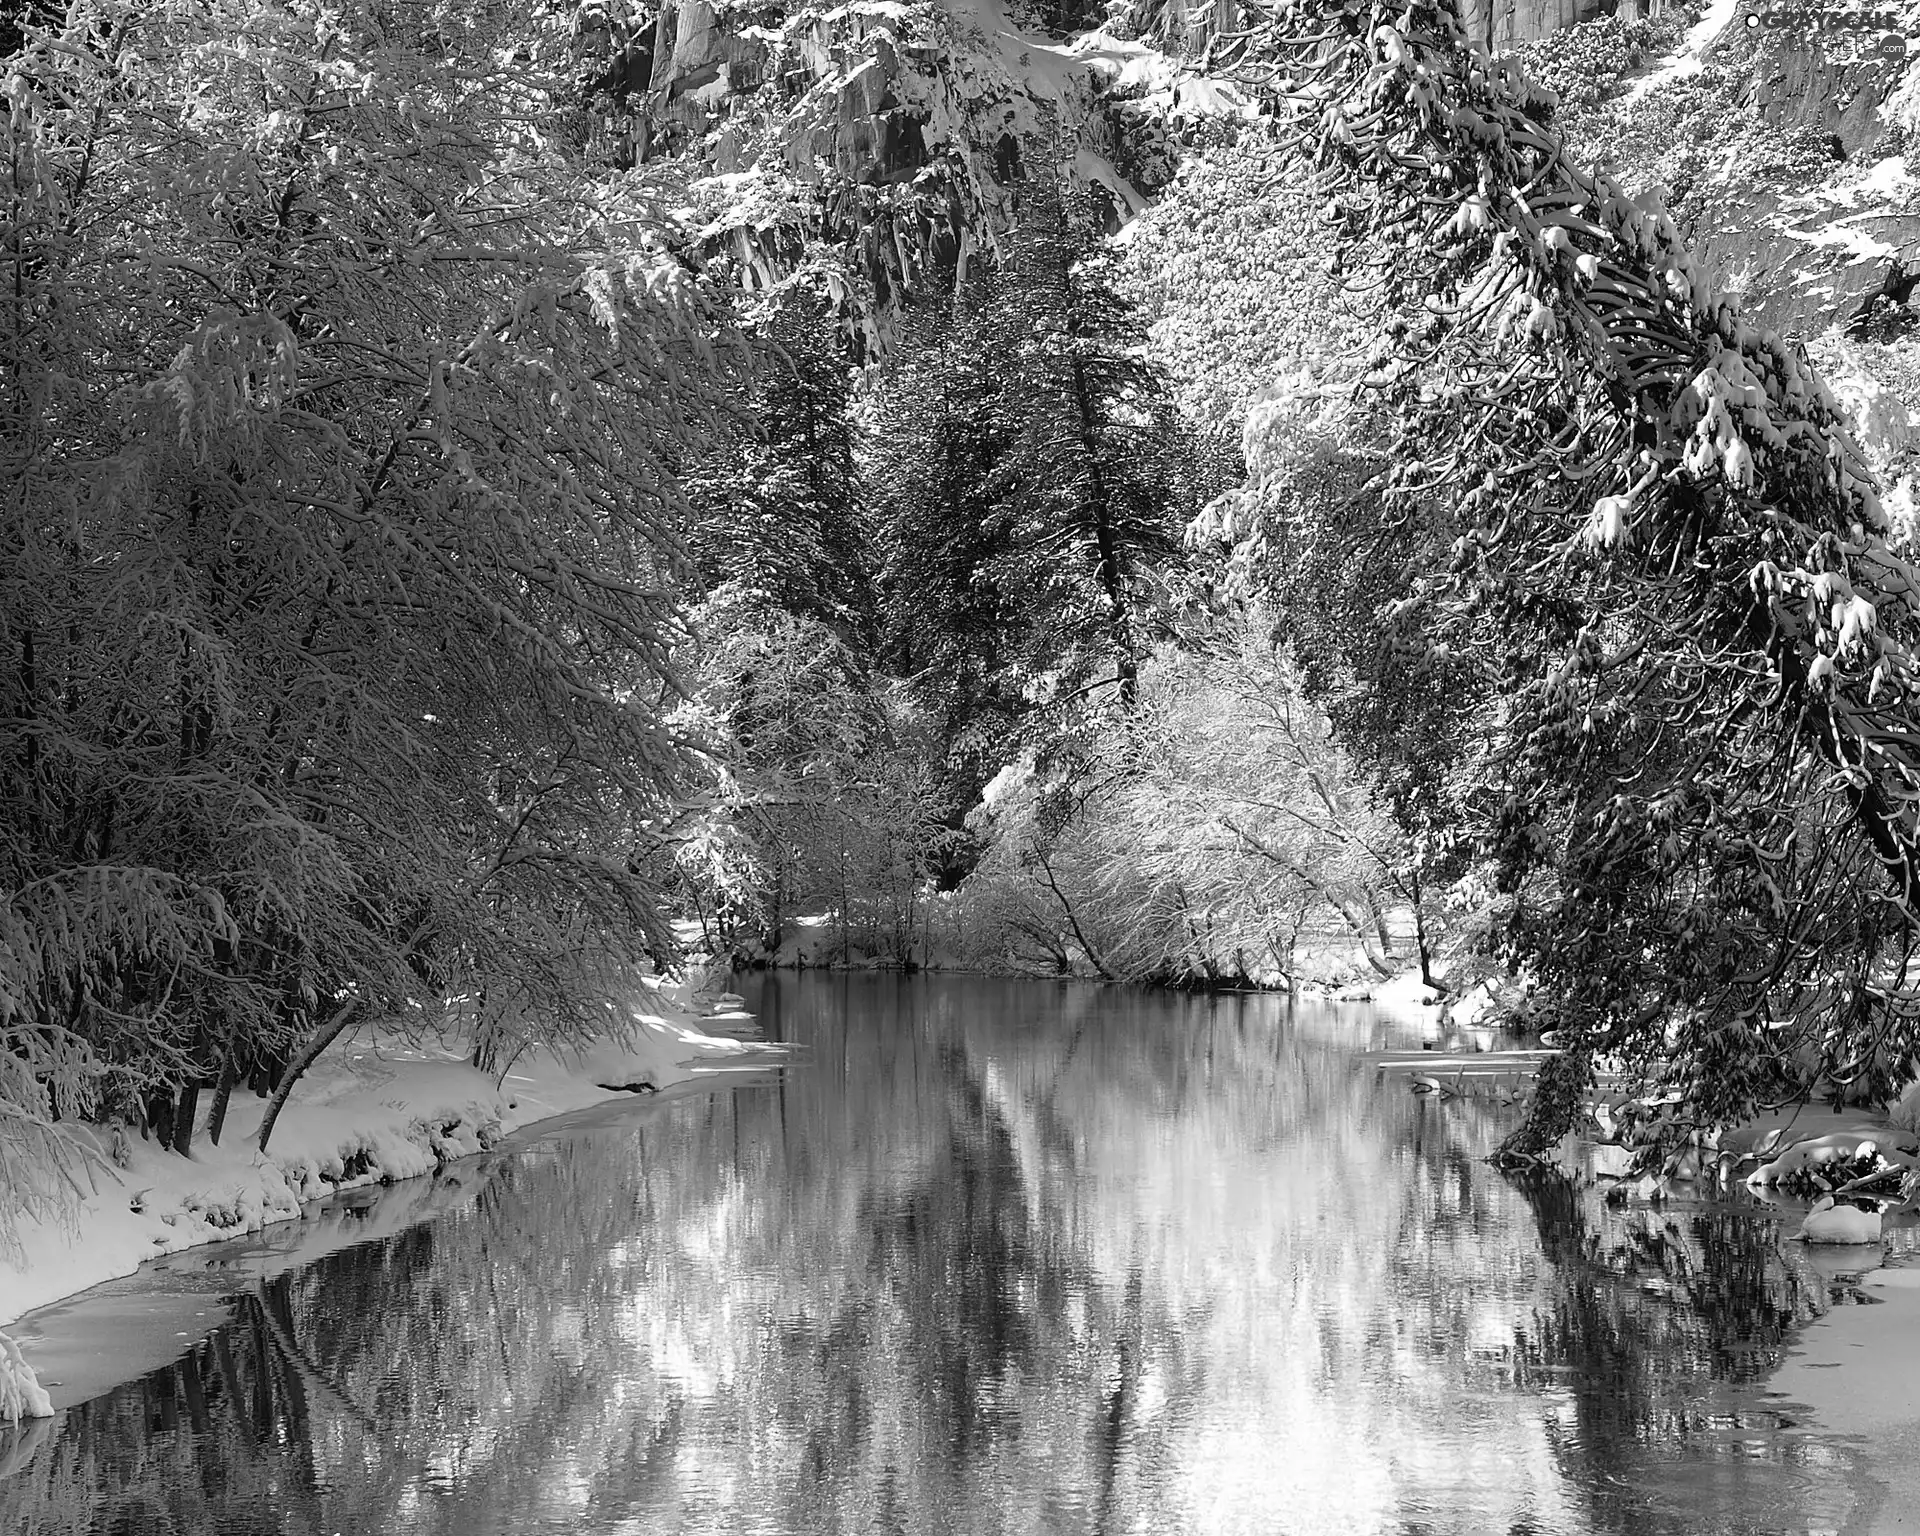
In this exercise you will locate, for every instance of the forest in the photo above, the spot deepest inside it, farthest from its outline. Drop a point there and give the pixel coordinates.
(1203, 498)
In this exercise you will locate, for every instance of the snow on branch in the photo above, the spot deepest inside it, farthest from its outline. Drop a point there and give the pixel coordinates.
(1610, 460)
(21, 1395)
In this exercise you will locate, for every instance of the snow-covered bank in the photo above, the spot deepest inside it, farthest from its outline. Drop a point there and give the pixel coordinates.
(21, 1395)
(372, 1110)
(1406, 993)
(1685, 61)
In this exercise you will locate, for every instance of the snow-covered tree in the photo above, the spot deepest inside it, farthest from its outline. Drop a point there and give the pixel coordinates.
(1035, 478)
(828, 803)
(1637, 533)
(937, 435)
(1200, 838)
(341, 531)
(1101, 473)
(781, 513)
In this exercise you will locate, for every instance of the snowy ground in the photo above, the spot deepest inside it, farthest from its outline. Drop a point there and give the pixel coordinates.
(1852, 1371)
(1717, 17)
(372, 1110)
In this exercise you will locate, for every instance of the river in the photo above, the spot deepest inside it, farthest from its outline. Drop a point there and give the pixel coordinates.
(994, 1257)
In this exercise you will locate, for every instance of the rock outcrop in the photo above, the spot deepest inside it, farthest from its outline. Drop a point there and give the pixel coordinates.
(1834, 94)
(1499, 24)
(1830, 246)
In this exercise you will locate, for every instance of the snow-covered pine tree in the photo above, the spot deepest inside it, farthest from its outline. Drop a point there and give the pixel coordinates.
(1038, 478)
(1689, 645)
(1101, 475)
(780, 511)
(937, 434)
(340, 534)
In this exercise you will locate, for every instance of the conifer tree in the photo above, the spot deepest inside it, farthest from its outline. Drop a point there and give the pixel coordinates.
(1100, 476)
(337, 550)
(1036, 479)
(781, 513)
(940, 436)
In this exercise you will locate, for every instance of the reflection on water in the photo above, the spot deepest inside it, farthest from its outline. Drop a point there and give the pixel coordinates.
(1000, 1257)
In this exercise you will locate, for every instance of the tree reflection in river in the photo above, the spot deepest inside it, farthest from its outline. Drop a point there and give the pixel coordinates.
(1652, 1319)
(1001, 1257)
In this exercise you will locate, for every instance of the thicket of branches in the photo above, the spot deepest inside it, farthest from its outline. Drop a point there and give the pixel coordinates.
(442, 543)
(1214, 834)
(340, 542)
(1641, 553)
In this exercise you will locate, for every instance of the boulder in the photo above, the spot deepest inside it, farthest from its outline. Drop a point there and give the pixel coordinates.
(1499, 24)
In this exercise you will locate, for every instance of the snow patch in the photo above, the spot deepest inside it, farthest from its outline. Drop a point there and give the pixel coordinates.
(1004, 783)
(1888, 177)
(1854, 243)
(21, 1395)
(375, 1109)
(1686, 60)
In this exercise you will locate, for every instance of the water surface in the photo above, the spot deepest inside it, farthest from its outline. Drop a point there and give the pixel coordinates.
(998, 1257)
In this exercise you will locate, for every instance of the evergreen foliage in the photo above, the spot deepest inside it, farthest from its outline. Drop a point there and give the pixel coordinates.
(340, 541)
(1037, 480)
(1665, 579)
(952, 625)
(781, 512)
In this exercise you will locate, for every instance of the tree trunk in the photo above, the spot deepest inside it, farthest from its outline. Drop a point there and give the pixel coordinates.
(1111, 578)
(217, 1115)
(1379, 922)
(1359, 921)
(1420, 933)
(160, 1117)
(345, 1016)
(1086, 945)
(183, 1117)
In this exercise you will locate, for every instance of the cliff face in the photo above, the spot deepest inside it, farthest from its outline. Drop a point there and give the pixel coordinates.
(1810, 241)
(1829, 252)
(1837, 94)
(1499, 24)
(875, 91)
(879, 104)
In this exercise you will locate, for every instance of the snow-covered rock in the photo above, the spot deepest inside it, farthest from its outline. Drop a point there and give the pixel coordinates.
(1817, 1153)
(1830, 1223)
(21, 1395)
(1901, 108)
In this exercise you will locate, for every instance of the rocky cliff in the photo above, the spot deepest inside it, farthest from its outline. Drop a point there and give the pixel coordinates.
(1497, 25)
(903, 126)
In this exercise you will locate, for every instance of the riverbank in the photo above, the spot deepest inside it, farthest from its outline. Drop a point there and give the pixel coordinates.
(373, 1110)
(1217, 1192)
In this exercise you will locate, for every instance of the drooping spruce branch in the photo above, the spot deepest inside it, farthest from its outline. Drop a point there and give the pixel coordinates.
(1648, 529)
